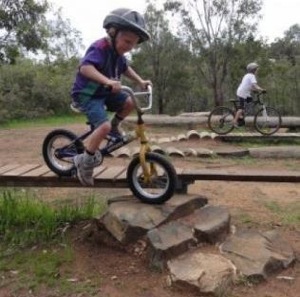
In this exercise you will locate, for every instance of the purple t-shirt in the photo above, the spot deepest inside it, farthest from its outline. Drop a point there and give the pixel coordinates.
(102, 55)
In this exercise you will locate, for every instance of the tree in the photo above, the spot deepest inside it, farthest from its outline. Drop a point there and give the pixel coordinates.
(288, 46)
(64, 42)
(286, 70)
(165, 59)
(211, 28)
(24, 27)
(21, 25)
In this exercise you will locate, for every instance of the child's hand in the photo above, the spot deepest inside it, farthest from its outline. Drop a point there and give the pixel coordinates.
(145, 83)
(115, 86)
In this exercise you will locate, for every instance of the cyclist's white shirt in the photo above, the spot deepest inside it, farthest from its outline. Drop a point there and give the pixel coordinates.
(245, 87)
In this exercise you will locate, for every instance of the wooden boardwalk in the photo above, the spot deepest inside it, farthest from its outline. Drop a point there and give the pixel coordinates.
(36, 175)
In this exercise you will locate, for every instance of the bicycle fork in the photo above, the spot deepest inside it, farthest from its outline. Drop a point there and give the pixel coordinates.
(265, 115)
(148, 171)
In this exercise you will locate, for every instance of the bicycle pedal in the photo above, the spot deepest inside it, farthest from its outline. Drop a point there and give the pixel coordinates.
(113, 138)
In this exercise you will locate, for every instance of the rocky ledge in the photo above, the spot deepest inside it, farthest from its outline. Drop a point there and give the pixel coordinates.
(195, 242)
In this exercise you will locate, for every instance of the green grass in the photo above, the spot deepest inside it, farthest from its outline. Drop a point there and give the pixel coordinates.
(288, 214)
(25, 220)
(48, 268)
(50, 121)
(35, 252)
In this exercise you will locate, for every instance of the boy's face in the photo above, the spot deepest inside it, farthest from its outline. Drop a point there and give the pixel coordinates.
(125, 41)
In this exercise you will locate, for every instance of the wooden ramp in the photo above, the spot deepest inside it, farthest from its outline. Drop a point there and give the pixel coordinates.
(36, 175)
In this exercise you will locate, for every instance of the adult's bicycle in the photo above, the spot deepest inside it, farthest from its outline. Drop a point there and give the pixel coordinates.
(266, 120)
(151, 176)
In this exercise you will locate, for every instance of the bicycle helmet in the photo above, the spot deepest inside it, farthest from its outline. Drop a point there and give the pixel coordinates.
(126, 19)
(252, 67)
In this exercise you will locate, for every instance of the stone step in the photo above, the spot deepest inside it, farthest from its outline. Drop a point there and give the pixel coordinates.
(128, 220)
(209, 224)
(191, 240)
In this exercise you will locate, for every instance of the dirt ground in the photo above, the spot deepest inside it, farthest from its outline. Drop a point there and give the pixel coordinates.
(124, 273)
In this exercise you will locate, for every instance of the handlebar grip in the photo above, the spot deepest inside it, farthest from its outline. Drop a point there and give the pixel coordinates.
(107, 88)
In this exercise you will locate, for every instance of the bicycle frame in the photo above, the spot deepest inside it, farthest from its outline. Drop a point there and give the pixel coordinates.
(266, 119)
(150, 176)
(249, 106)
(111, 145)
(140, 131)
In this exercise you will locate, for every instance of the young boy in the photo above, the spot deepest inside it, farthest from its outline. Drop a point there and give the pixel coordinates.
(97, 85)
(247, 85)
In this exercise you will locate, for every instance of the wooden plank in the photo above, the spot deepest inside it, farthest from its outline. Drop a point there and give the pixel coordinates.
(98, 170)
(50, 174)
(37, 171)
(249, 175)
(20, 170)
(123, 174)
(38, 181)
(58, 182)
(112, 172)
(31, 176)
(8, 167)
(179, 170)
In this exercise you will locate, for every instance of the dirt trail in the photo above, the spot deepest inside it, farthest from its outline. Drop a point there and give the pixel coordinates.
(123, 273)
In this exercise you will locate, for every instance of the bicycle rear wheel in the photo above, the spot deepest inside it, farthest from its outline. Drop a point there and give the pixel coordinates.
(59, 149)
(220, 120)
(267, 121)
(161, 184)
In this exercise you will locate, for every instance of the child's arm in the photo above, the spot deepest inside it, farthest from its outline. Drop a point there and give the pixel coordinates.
(92, 73)
(256, 87)
(131, 74)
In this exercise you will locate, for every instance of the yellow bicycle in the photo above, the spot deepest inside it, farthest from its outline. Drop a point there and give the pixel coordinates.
(151, 176)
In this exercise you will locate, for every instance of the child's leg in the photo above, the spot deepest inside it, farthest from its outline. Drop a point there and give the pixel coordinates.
(239, 112)
(123, 105)
(85, 163)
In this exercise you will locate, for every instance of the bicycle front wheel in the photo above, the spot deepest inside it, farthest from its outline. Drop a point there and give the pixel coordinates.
(220, 120)
(267, 121)
(161, 183)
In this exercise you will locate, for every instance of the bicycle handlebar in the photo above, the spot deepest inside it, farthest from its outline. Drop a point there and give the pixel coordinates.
(133, 95)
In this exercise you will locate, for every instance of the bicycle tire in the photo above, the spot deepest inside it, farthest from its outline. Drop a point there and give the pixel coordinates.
(163, 179)
(59, 149)
(267, 124)
(220, 120)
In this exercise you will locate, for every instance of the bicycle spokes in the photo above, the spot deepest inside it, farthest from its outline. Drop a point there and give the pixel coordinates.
(220, 120)
(155, 184)
(267, 121)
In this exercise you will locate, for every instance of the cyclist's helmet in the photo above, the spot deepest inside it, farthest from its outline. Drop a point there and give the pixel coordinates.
(126, 19)
(251, 67)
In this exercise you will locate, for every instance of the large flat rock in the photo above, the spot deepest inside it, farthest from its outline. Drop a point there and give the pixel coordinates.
(127, 219)
(209, 273)
(258, 254)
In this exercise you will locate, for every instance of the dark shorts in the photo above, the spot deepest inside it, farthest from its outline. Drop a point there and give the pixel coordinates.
(241, 103)
(96, 108)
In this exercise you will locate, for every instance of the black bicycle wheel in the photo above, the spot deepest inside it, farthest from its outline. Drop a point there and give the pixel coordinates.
(220, 120)
(162, 181)
(59, 149)
(267, 121)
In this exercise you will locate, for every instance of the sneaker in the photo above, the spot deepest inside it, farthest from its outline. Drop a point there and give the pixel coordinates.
(115, 135)
(84, 170)
(98, 159)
